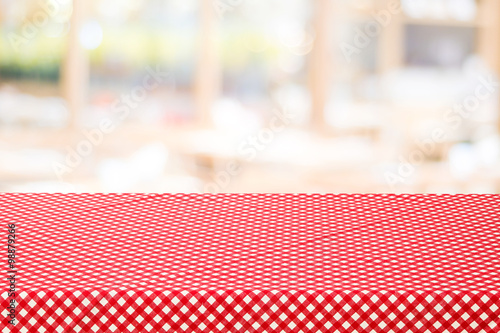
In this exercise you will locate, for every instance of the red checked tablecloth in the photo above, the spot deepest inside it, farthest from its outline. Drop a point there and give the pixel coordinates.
(254, 263)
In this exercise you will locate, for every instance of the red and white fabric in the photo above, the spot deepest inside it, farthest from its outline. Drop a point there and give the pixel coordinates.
(255, 262)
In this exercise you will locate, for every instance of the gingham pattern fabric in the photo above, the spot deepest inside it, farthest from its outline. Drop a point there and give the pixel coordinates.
(255, 263)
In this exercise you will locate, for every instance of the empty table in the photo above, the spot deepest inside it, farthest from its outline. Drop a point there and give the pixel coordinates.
(251, 263)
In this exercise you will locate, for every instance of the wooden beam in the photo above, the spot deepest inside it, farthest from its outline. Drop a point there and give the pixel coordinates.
(207, 76)
(320, 62)
(75, 69)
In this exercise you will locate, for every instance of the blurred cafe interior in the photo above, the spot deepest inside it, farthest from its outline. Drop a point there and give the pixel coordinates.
(324, 96)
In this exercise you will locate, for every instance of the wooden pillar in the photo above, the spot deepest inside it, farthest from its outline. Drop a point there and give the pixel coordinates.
(489, 36)
(75, 69)
(391, 47)
(207, 76)
(320, 61)
(2, 19)
(489, 33)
